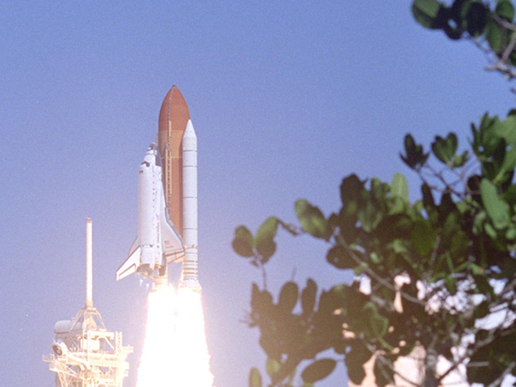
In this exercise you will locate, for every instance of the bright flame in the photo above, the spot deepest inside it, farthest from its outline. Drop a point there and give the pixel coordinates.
(175, 353)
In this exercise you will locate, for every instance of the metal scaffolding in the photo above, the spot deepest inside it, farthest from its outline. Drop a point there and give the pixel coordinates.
(86, 354)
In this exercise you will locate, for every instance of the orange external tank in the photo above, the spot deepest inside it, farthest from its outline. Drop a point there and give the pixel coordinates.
(173, 118)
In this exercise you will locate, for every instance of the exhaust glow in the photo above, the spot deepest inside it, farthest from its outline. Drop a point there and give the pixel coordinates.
(175, 353)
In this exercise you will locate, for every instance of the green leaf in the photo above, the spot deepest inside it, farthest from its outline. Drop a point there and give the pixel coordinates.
(312, 220)
(490, 230)
(444, 149)
(510, 195)
(383, 372)
(426, 13)
(308, 296)
(255, 378)
(340, 292)
(269, 341)
(340, 347)
(428, 197)
(355, 360)
(511, 232)
(505, 10)
(509, 162)
(370, 216)
(459, 244)
(243, 242)
(378, 324)
(267, 230)
(459, 10)
(361, 268)
(429, 8)
(261, 302)
(446, 207)
(475, 269)
(331, 300)
(451, 285)
(478, 222)
(399, 186)
(350, 191)
(497, 209)
(318, 370)
(476, 18)
(393, 227)
(460, 160)
(396, 205)
(340, 257)
(398, 247)
(494, 35)
(414, 156)
(423, 237)
(264, 241)
(288, 297)
(495, 143)
(454, 33)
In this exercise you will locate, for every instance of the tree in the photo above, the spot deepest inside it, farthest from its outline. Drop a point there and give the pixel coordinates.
(439, 268)
(488, 24)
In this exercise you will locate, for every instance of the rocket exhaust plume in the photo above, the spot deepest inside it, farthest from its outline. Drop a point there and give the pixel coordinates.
(175, 353)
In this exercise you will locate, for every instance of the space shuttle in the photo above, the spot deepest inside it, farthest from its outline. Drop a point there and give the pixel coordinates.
(158, 242)
(167, 200)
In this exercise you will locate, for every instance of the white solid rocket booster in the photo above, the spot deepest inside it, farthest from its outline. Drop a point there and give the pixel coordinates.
(190, 264)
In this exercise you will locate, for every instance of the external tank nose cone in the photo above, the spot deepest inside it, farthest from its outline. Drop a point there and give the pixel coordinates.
(174, 113)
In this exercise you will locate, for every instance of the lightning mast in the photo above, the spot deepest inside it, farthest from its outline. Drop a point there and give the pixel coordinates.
(86, 354)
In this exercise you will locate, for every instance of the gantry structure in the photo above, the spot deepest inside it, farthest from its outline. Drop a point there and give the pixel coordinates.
(85, 353)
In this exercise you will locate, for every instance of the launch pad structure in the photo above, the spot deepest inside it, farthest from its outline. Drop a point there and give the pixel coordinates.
(86, 354)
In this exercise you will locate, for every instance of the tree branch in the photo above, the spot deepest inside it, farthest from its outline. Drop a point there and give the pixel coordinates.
(507, 371)
(373, 274)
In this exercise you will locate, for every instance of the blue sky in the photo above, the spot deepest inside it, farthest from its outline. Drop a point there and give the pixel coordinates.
(287, 97)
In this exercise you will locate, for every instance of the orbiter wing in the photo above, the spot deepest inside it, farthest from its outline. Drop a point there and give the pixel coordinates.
(132, 263)
(172, 246)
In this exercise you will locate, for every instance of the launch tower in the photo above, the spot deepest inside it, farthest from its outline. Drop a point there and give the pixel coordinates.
(86, 354)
